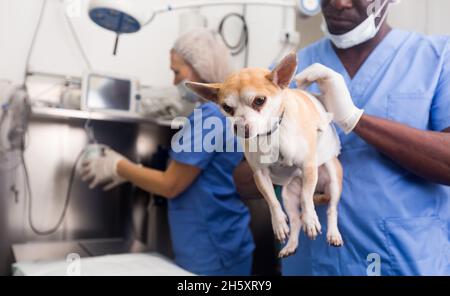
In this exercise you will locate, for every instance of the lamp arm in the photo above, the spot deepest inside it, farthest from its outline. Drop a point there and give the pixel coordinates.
(198, 4)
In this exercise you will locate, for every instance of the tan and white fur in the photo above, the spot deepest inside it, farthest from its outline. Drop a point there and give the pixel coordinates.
(307, 166)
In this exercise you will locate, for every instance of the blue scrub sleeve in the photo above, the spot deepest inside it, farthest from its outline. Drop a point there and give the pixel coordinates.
(440, 108)
(191, 139)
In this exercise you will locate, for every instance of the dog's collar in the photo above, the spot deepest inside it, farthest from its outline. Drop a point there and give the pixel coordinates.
(274, 128)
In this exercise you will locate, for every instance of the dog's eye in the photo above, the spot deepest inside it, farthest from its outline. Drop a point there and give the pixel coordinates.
(259, 101)
(228, 109)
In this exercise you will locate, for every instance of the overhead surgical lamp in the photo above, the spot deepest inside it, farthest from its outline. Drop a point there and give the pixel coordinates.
(123, 16)
(308, 8)
(119, 16)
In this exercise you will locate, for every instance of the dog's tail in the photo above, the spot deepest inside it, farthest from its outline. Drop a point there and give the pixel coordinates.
(321, 199)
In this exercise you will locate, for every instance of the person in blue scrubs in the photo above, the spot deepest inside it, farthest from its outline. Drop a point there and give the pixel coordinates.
(209, 224)
(394, 214)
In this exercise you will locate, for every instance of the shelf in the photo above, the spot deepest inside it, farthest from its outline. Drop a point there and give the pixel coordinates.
(69, 114)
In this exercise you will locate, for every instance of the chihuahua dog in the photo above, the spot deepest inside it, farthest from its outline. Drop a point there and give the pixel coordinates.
(294, 124)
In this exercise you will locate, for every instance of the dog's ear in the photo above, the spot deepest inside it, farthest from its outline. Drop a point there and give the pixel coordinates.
(283, 73)
(208, 91)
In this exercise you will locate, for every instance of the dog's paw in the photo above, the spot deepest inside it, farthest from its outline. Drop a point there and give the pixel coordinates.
(334, 238)
(311, 224)
(280, 226)
(289, 249)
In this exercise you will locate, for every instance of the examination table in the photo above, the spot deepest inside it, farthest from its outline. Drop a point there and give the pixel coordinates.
(105, 257)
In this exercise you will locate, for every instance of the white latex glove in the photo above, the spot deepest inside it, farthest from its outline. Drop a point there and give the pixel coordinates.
(103, 170)
(334, 94)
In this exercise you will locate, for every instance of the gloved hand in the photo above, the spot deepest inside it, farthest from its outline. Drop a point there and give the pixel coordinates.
(334, 94)
(103, 169)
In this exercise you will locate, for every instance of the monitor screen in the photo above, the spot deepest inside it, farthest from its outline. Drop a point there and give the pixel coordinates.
(108, 93)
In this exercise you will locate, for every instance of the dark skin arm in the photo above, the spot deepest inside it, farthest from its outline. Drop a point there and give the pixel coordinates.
(425, 153)
(245, 184)
(247, 189)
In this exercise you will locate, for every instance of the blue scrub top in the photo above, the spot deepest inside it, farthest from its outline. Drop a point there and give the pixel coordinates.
(209, 223)
(392, 221)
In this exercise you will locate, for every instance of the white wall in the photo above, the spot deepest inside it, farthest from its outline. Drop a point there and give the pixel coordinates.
(144, 54)
(424, 16)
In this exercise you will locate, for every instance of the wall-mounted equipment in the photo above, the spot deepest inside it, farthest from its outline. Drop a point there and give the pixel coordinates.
(109, 93)
(14, 118)
(124, 16)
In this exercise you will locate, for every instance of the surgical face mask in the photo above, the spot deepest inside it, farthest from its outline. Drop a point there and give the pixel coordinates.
(186, 94)
(362, 33)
